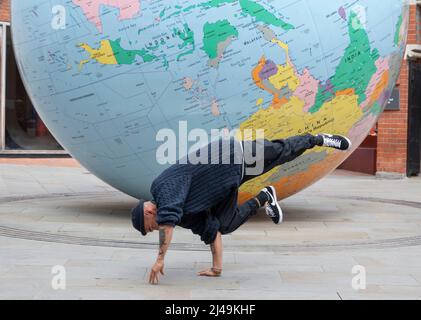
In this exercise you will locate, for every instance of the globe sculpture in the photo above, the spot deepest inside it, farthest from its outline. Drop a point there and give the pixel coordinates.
(107, 76)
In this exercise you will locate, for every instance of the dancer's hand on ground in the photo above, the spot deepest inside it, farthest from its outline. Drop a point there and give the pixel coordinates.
(212, 272)
(158, 268)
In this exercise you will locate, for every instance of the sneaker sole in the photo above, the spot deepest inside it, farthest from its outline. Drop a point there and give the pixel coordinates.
(350, 144)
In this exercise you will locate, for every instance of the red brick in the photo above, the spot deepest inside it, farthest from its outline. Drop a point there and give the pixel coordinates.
(392, 126)
(5, 10)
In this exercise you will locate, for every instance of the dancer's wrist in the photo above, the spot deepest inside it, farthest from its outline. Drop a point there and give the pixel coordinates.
(217, 270)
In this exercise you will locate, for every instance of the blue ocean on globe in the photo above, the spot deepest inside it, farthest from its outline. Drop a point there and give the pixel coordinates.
(107, 76)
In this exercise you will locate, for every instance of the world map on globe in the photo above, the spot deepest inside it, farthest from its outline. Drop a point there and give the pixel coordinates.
(107, 75)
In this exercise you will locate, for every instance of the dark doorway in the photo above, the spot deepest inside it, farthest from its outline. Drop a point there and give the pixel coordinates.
(414, 119)
(24, 130)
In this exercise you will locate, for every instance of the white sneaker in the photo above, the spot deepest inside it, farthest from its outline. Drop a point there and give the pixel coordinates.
(273, 209)
(336, 141)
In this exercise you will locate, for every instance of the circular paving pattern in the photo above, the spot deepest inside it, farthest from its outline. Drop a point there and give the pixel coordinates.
(312, 224)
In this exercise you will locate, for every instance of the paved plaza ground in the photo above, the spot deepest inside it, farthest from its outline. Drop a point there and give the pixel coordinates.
(64, 216)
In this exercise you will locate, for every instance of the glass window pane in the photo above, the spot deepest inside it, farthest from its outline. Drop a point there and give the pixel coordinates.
(24, 128)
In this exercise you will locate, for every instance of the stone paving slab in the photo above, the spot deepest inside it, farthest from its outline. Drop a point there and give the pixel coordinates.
(53, 216)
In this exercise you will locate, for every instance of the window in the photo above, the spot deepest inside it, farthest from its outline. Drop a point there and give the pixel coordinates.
(22, 129)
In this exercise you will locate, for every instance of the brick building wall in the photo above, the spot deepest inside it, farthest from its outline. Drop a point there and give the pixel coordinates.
(5, 10)
(392, 141)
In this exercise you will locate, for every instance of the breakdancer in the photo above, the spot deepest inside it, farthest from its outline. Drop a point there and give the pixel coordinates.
(202, 195)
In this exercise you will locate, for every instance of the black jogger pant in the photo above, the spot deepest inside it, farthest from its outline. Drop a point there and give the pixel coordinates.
(276, 153)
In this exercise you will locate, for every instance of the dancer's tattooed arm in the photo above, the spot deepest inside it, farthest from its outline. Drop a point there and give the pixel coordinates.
(165, 237)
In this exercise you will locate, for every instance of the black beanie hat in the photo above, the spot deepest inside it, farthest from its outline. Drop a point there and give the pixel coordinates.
(138, 218)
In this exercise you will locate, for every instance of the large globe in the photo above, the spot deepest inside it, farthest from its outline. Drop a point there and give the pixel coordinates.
(107, 76)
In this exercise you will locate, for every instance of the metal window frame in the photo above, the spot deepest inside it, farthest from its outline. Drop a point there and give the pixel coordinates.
(3, 150)
(3, 45)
